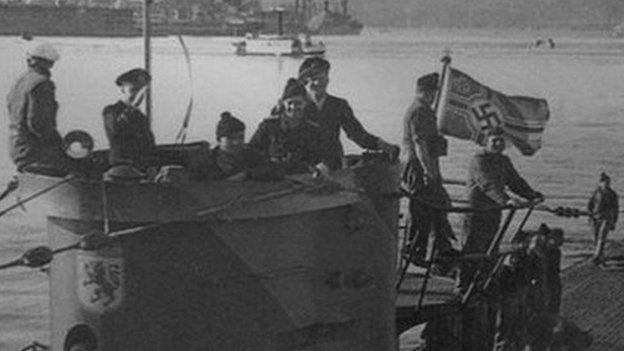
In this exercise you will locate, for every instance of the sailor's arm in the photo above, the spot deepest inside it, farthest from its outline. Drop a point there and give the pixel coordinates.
(517, 184)
(354, 129)
(591, 204)
(408, 152)
(616, 208)
(41, 112)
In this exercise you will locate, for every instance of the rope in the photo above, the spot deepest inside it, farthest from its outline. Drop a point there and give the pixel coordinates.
(181, 137)
(10, 187)
(20, 202)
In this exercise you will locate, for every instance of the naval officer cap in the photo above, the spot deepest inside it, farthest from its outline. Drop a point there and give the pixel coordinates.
(428, 82)
(313, 65)
(136, 77)
(44, 51)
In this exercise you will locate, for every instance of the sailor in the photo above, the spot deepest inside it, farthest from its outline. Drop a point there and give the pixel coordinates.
(127, 128)
(422, 147)
(603, 207)
(232, 159)
(332, 114)
(287, 139)
(35, 143)
(489, 174)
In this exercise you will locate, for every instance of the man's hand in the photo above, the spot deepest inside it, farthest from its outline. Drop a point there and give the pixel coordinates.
(516, 202)
(320, 171)
(538, 197)
(391, 150)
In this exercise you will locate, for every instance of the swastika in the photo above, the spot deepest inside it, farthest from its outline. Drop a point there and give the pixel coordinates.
(487, 116)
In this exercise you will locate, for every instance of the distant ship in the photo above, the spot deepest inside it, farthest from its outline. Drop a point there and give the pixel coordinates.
(334, 23)
(306, 17)
(280, 44)
(37, 20)
(91, 21)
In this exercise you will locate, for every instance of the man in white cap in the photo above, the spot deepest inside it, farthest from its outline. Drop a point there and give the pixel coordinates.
(35, 143)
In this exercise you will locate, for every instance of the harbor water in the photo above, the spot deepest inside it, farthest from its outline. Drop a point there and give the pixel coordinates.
(376, 72)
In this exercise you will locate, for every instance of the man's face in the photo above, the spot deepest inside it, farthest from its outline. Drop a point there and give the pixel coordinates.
(317, 83)
(495, 144)
(39, 62)
(293, 107)
(132, 93)
(604, 183)
(427, 96)
(232, 143)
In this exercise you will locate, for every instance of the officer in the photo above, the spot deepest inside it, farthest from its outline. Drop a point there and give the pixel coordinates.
(489, 174)
(332, 114)
(287, 139)
(603, 207)
(422, 147)
(35, 143)
(127, 128)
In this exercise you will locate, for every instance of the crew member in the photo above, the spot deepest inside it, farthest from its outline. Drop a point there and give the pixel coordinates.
(489, 173)
(287, 139)
(603, 207)
(232, 159)
(35, 143)
(127, 128)
(332, 114)
(422, 147)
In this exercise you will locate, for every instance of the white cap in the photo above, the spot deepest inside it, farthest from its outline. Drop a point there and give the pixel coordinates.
(45, 51)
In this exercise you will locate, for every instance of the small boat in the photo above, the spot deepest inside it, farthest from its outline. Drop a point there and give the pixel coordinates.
(279, 45)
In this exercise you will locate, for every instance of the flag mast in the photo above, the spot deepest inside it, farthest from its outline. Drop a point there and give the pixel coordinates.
(446, 62)
(147, 54)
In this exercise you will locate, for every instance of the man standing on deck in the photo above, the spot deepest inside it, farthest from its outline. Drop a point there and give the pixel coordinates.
(603, 207)
(35, 143)
(332, 114)
(489, 173)
(422, 147)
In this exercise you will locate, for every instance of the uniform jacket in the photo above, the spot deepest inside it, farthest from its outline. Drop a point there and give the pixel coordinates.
(336, 114)
(295, 149)
(419, 126)
(488, 176)
(129, 135)
(604, 205)
(32, 111)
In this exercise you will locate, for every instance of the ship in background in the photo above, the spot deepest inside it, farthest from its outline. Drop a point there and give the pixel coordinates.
(123, 18)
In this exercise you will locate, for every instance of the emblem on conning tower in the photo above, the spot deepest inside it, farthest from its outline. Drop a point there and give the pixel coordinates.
(100, 281)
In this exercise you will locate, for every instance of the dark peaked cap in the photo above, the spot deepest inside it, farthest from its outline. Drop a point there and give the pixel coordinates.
(293, 88)
(313, 65)
(229, 125)
(136, 76)
(604, 177)
(428, 82)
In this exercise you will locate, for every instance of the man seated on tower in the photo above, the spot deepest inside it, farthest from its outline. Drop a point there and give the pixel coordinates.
(289, 141)
(35, 143)
(128, 130)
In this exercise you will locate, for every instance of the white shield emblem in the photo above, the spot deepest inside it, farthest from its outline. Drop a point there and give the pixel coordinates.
(100, 279)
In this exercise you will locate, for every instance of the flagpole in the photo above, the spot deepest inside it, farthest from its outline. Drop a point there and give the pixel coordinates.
(147, 52)
(446, 63)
